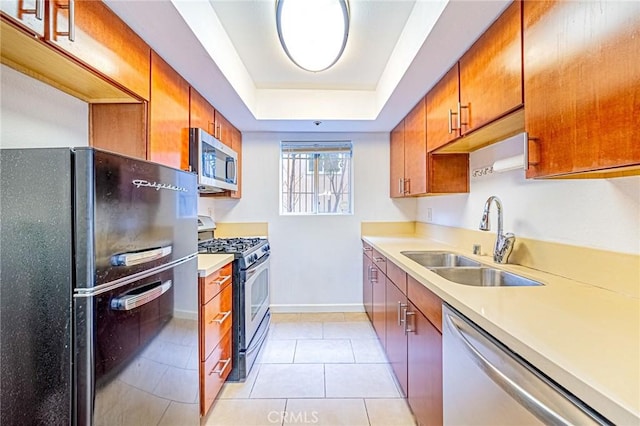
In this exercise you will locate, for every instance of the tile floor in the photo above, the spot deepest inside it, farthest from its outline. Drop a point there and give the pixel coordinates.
(316, 369)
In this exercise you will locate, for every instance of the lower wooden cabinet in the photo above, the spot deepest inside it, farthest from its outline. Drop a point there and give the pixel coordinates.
(215, 318)
(213, 372)
(396, 348)
(407, 318)
(424, 368)
(367, 287)
(379, 284)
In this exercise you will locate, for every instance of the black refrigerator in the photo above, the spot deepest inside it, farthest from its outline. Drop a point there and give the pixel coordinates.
(97, 251)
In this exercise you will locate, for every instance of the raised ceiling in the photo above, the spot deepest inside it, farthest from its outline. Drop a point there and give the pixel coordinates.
(230, 52)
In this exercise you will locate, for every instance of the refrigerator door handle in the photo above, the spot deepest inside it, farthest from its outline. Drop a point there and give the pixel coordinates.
(138, 257)
(128, 302)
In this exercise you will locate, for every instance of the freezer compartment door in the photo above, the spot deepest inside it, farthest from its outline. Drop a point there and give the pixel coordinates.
(131, 216)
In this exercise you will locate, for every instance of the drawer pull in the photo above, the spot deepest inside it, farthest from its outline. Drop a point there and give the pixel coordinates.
(222, 281)
(222, 319)
(220, 371)
(379, 259)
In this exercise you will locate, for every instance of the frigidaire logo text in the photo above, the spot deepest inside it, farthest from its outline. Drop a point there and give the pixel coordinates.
(158, 186)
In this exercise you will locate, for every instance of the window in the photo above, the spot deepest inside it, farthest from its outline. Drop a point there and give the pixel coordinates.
(316, 178)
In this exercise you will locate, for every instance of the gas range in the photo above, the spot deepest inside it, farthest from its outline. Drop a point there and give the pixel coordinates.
(247, 250)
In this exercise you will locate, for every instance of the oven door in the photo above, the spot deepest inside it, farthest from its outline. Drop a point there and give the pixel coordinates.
(256, 292)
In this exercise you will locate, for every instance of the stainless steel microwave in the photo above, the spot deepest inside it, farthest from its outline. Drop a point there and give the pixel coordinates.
(215, 163)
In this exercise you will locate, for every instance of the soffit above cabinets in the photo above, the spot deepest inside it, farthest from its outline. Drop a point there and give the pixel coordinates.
(230, 52)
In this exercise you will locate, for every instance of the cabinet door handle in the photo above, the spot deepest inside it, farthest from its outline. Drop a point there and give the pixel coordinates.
(225, 363)
(71, 25)
(221, 319)
(374, 279)
(407, 184)
(402, 307)
(409, 329)
(222, 281)
(460, 123)
(37, 11)
(450, 121)
(366, 249)
(400, 186)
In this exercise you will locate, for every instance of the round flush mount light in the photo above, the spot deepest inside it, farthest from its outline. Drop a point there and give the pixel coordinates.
(313, 33)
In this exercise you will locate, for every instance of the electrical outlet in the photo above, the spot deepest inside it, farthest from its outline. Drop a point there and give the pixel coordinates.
(429, 214)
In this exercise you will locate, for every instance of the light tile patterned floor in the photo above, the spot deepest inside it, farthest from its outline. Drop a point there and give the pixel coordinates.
(316, 369)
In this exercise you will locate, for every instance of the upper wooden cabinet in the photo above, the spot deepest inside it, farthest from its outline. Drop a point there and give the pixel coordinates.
(236, 145)
(491, 72)
(396, 154)
(28, 14)
(223, 129)
(201, 113)
(415, 150)
(168, 116)
(120, 128)
(443, 110)
(582, 86)
(102, 41)
(414, 172)
(479, 101)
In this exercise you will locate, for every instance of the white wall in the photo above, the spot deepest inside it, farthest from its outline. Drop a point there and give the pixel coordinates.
(34, 114)
(316, 260)
(597, 213)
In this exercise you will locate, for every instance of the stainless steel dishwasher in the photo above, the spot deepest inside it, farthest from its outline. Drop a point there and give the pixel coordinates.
(484, 383)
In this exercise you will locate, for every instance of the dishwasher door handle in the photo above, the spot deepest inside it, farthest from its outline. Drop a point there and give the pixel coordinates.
(567, 412)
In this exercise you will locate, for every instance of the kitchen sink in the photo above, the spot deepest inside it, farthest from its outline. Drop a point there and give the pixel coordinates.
(438, 259)
(484, 277)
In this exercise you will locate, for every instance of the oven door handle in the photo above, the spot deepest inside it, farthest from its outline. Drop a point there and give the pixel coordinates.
(132, 301)
(256, 266)
(138, 257)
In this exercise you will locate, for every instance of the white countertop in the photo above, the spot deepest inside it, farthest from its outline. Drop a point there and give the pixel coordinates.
(209, 263)
(584, 337)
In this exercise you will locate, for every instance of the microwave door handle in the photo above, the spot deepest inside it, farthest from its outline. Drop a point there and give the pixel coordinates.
(139, 257)
(132, 301)
(230, 170)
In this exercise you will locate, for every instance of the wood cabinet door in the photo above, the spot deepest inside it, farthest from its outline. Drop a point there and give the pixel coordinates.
(415, 150)
(120, 128)
(448, 173)
(224, 129)
(424, 367)
(442, 107)
(581, 85)
(378, 280)
(236, 145)
(28, 14)
(216, 321)
(214, 371)
(491, 72)
(201, 112)
(168, 116)
(367, 287)
(396, 305)
(103, 42)
(396, 153)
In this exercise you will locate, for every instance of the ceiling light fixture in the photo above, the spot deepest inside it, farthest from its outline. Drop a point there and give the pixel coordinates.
(313, 33)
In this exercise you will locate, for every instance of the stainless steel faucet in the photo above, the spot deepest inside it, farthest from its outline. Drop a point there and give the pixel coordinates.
(504, 242)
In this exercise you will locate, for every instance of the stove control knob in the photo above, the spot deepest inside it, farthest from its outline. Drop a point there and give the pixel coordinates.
(254, 257)
(265, 248)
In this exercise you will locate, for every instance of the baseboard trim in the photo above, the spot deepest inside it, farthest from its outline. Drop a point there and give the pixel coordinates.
(190, 315)
(310, 308)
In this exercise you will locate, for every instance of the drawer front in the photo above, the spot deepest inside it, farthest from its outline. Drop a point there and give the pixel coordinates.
(426, 301)
(214, 283)
(380, 261)
(397, 276)
(216, 321)
(367, 249)
(213, 373)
